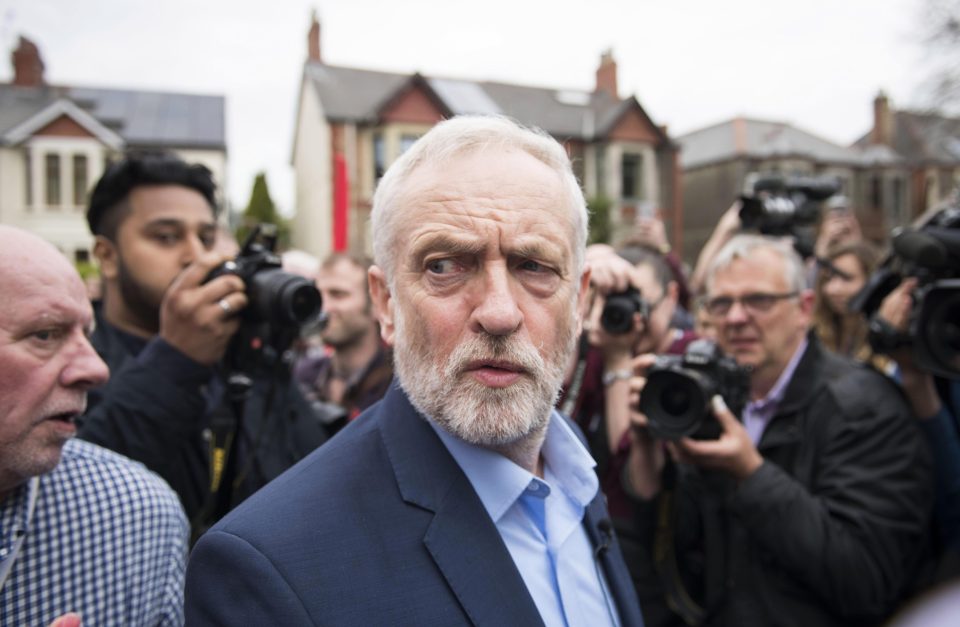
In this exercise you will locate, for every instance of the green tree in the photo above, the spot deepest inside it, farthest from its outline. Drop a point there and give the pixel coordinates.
(262, 210)
(601, 229)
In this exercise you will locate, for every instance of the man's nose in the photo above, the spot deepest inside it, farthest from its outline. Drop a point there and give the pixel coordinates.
(193, 249)
(737, 314)
(85, 369)
(497, 311)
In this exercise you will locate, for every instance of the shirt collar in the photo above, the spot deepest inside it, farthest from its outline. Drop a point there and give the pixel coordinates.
(499, 482)
(779, 389)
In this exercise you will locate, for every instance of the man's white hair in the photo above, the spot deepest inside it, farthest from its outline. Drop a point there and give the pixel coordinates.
(742, 246)
(465, 135)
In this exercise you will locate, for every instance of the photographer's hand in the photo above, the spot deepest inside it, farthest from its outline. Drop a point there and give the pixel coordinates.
(918, 384)
(647, 458)
(198, 318)
(837, 228)
(733, 452)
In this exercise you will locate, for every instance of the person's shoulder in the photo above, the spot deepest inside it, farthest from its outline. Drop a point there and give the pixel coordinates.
(860, 390)
(88, 468)
(323, 485)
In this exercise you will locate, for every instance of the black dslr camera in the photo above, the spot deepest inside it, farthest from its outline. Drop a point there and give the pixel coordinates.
(676, 398)
(280, 303)
(786, 206)
(618, 311)
(931, 253)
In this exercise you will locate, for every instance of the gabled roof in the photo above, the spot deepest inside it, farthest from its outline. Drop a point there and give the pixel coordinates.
(140, 118)
(55, 110)
(358, 96)
(921, 137)
(762, 139)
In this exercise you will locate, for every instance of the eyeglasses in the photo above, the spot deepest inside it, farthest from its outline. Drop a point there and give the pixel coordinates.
(754, 303)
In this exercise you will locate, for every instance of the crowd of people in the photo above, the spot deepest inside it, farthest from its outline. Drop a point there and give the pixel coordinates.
(467, 435)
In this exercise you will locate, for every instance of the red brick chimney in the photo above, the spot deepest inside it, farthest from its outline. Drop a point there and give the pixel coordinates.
(882, 121)
(27, 64)
(313, 39)
(607, 75)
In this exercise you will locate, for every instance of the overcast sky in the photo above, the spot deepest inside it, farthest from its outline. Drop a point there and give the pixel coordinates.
(817, 63)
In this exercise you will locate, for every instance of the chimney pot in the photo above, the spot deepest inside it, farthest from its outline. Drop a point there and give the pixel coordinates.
(313, 39)
(607, 75)
(27, 64)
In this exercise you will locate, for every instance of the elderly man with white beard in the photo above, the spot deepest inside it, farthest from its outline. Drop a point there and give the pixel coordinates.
(462, 498)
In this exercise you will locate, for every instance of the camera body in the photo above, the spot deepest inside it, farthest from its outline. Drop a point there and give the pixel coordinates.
(279, 303)
(786, 206)
(676, 397)
(619, 309)
(931, 254)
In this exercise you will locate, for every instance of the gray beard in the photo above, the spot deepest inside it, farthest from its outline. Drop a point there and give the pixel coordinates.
(496, 418)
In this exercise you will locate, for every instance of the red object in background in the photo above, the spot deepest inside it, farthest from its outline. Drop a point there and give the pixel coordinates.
(340, 203)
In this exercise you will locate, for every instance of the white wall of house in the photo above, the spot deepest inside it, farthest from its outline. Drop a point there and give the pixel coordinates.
(313, 177)
(62, 223)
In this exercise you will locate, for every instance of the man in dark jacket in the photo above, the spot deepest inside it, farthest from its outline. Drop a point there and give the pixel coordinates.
(814, 509)
(163, 329)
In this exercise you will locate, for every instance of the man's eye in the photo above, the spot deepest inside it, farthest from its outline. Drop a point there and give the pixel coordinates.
(46, 335)
(441, 266)
(166, 239)
(533, 266)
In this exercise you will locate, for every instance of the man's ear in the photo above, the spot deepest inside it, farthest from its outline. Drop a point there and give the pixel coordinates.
(107, 257)
(382, 302)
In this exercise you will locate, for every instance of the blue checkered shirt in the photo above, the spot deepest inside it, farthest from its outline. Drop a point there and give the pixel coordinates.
(108, 540)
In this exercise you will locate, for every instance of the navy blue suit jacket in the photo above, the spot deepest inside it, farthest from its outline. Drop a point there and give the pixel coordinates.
(377, 527)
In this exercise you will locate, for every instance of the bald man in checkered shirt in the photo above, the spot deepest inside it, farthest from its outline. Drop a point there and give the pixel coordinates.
(83, 530)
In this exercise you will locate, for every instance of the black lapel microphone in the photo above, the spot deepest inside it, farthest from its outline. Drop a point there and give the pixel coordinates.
(605, 537)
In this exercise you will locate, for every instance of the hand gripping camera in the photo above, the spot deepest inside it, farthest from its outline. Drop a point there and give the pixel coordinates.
(280, 303)
(786, 206)
(676, 398)
(931, 253)
(618, 311)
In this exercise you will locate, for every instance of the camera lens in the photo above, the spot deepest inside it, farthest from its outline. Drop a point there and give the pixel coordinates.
(675, 402)
(284, 298)
(617, 316)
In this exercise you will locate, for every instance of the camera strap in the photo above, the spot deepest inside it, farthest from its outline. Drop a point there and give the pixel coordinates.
(569, 405)
(221, 459)
(665, 554)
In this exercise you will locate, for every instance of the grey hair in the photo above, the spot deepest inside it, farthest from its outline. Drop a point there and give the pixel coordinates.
(465, 135)
(741, 246)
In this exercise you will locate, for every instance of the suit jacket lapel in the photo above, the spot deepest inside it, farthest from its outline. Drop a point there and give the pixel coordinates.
(611, 560)
(462, 540)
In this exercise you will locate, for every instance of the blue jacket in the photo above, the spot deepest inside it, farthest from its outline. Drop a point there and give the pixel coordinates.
(377, 527)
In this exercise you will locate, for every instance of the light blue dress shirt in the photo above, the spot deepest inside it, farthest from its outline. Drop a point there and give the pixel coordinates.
(757, 414)
(540, 521)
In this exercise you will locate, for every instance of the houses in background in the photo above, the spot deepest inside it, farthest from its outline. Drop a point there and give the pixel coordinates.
(56, 140)
(907, 163)
(353, 123)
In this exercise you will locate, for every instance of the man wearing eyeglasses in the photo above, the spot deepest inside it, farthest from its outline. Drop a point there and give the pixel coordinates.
(812, 507)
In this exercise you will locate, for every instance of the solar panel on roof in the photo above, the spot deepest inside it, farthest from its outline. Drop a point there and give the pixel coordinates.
(463, 97)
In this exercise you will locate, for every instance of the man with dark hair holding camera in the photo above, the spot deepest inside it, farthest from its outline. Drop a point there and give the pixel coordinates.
(163, 329)
(811, 508)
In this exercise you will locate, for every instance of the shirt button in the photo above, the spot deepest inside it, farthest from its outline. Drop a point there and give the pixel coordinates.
(3, 552)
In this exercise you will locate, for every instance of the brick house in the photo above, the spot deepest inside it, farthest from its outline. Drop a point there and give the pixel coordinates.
(352, 123)
(55, 142)
(718, 158)
(912, 161)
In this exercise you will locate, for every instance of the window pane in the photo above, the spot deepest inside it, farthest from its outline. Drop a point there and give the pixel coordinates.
(79, 180)
(28, 183)
(630, 174)
(53, 179)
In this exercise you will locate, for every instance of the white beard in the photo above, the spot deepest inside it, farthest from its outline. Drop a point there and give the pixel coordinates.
(493, 418)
